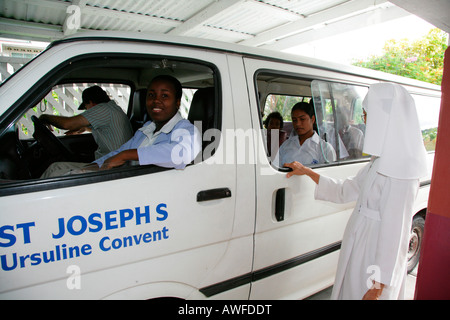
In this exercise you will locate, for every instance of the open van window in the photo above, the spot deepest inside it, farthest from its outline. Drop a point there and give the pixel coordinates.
(125, 78)
(65, 99)
(337, 109)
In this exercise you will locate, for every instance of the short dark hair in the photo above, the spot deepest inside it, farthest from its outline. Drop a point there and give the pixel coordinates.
(275, 115)
(305, 107)
(94, 94)
(174, 81)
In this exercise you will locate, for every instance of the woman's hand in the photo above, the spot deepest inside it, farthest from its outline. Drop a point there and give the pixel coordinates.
(375, 292)
(300, 170)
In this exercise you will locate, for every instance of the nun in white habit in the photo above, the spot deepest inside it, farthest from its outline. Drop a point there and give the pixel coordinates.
(372, 262)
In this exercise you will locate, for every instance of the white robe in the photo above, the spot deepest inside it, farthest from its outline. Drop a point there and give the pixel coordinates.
(376, 239)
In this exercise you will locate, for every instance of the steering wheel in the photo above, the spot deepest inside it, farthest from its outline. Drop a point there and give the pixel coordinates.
(49, 141)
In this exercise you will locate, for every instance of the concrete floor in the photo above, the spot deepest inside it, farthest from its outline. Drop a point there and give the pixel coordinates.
(409, 295)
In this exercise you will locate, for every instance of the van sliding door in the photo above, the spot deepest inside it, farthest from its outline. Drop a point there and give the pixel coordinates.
(297, 239)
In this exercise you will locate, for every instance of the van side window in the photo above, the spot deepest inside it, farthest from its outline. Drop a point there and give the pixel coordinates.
(337, 108)
(339, 117)
(64, 100)
(24, 155)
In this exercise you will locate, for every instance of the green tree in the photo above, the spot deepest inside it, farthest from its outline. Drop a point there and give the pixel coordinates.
(422, 59)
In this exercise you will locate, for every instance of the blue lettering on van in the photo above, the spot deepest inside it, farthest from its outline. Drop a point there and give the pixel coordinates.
(78, 225)
(162, 213)
(95, 222)
(107, 244)
(60, 252)
(11, 238)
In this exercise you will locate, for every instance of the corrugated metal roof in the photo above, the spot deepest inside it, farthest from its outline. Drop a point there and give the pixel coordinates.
(251, 22)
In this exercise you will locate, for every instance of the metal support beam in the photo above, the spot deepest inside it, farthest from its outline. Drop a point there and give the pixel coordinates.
(433, 280)
(203, 15)
(309, 22)
(365, 19)
(10, 28)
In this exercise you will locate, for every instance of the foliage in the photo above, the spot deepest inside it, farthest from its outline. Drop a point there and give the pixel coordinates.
(429, 138)
(422, 59)
(283, 104)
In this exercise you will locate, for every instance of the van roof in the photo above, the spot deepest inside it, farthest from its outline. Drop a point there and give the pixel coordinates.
(242, 50)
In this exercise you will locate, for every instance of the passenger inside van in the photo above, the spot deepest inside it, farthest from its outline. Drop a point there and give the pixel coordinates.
(168, 141)
(103, 117)
(274, 126)
(327, 131)
(352, 137)
(304, 144)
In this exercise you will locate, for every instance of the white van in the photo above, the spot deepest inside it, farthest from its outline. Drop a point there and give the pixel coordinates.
(229, 225)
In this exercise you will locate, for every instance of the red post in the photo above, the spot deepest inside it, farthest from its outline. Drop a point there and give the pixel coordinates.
(433, 277)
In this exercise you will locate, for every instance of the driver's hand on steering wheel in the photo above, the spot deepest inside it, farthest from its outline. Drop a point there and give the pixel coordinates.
(44, 119)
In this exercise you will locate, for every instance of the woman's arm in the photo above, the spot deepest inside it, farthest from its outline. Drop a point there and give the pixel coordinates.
(328, 189)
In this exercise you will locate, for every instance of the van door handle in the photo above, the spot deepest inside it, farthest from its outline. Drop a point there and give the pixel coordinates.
(213, 194)
(279, 204)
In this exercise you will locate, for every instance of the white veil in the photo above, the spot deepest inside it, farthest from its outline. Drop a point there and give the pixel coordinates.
(393, 132)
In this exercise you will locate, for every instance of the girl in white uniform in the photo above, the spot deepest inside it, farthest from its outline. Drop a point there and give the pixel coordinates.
(304, 144)
(372, 263)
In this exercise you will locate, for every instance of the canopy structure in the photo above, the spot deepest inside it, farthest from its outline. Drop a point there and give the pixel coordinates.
(273, 24)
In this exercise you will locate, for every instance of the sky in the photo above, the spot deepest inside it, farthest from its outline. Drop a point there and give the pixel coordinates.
(364, 42)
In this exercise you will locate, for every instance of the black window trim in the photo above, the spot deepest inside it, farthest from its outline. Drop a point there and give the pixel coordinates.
(36, 185)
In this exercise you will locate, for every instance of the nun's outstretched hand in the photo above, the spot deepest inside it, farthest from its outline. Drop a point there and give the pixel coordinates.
(300, 170)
